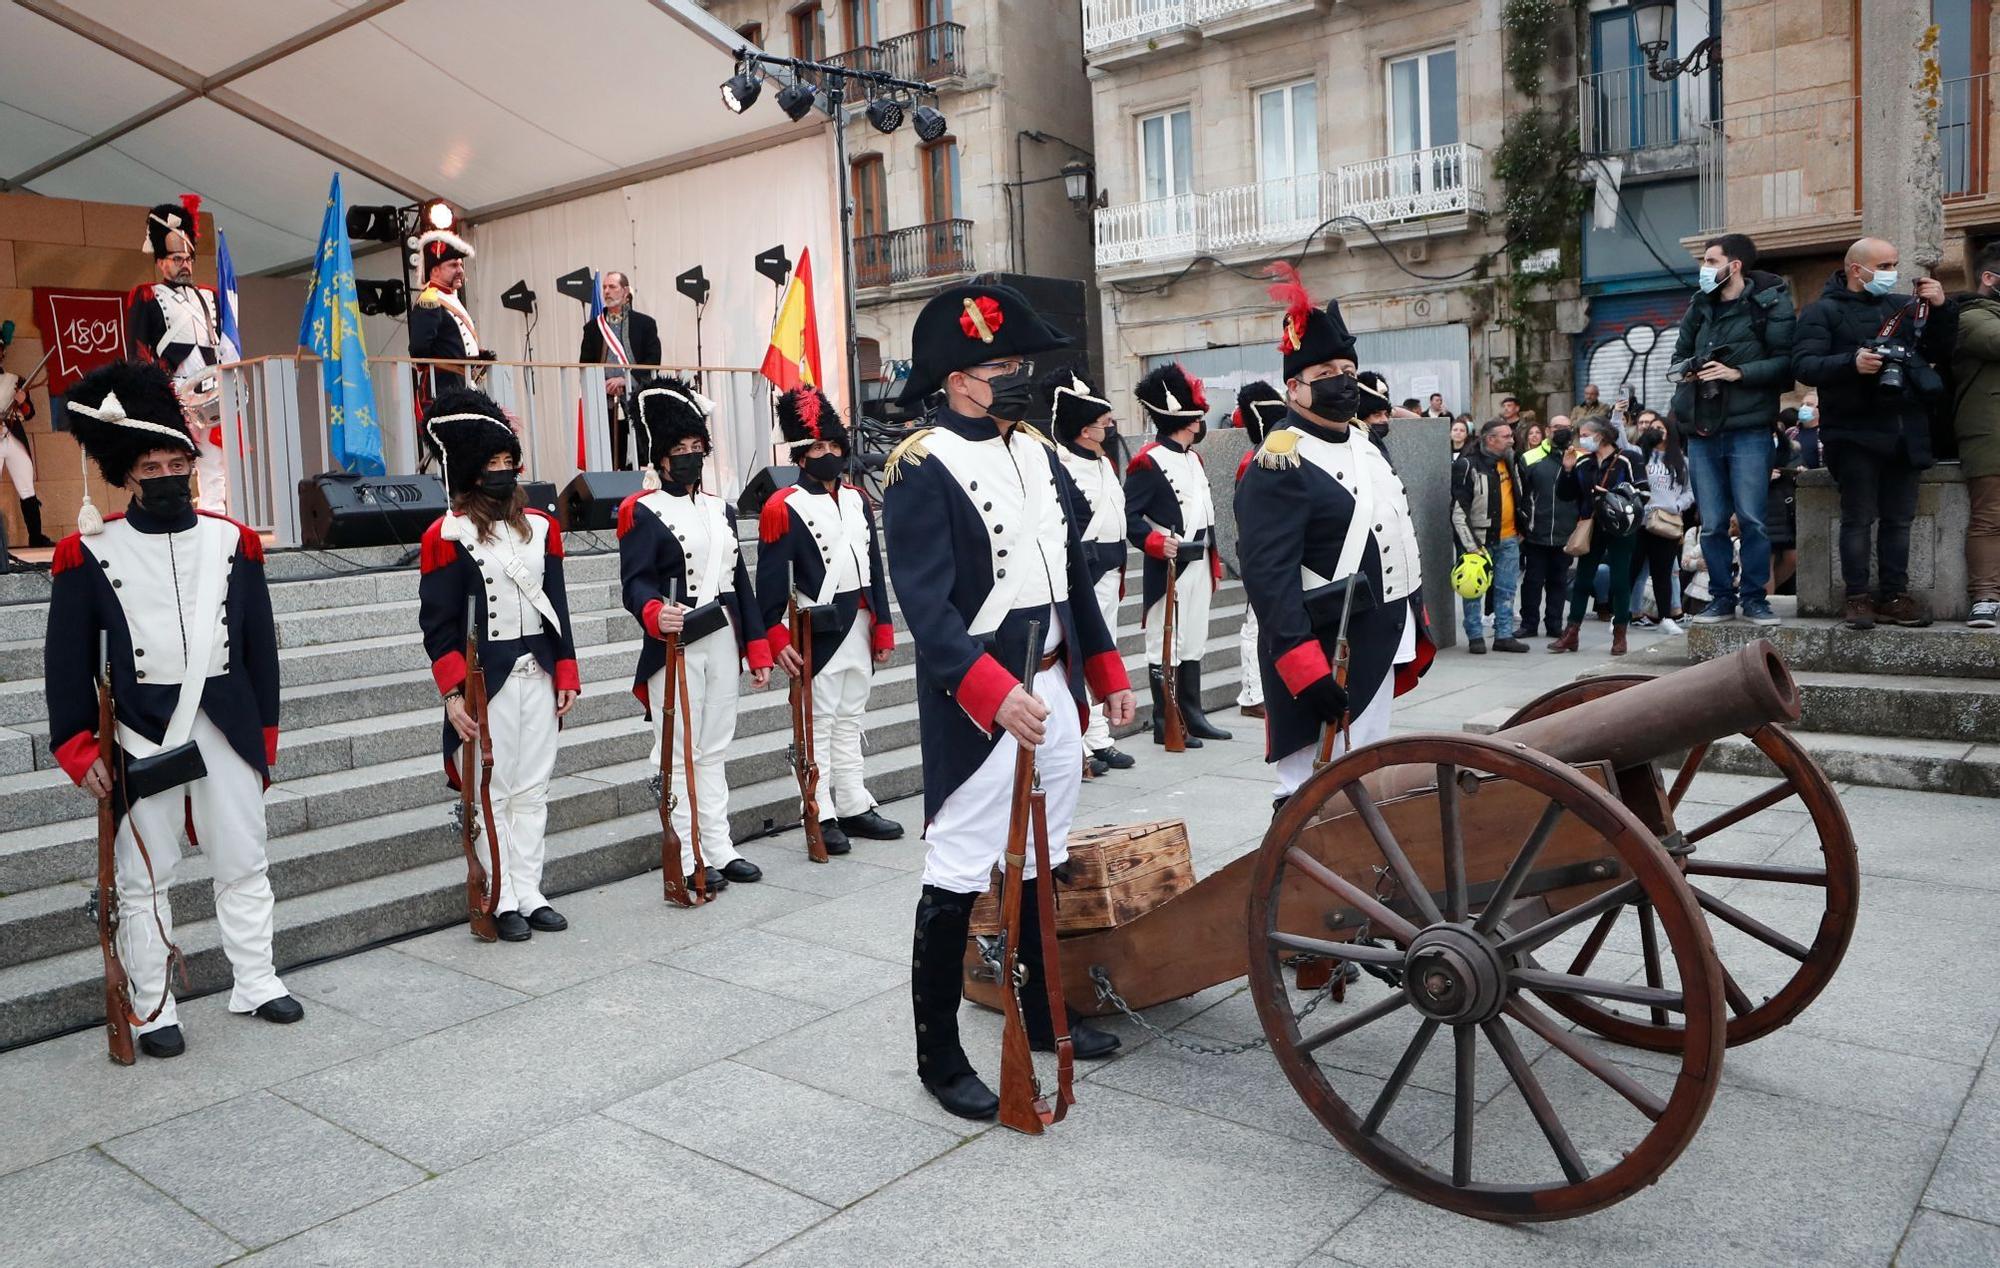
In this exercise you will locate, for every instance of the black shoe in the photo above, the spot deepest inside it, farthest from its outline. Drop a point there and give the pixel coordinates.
(1086, 1041)
(1157, 681)
(1096, 766)
(1191, 711)
(742, 870)
(965, 1095)
(1476, 646)
(513, 927)
(833, 838)
(870, 826)
(717, 882)
(163, 1043)
(1509, 645)
(284, 1010)
(1114, 759)
(1278, 803)
(546, 919)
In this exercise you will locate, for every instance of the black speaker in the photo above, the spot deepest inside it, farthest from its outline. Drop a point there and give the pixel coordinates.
(543, 497)
(591, 500)
(338, 510)
(762, 486)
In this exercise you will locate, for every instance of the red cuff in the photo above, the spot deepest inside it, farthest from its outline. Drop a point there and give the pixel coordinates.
(649, 618)
(982, 689)
(1156, 545)
(76, 754)
(883, 637)
(567, 679)
(1303, 666)
(270, 746)
(757, 654)
(778, 638)
(449, 671)
(1105, 673)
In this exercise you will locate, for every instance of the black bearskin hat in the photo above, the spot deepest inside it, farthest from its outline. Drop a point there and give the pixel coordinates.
(966, 325)
(183, 217)
(1073, 404)
(1172, 397)
(1374, 394)
(1258, 406)
(671, 411)
(467, 429)
(1311, 335)
(441, 246)
(122, 411)
(806, 415)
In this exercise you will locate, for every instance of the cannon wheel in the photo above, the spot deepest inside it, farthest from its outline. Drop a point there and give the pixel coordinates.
(1467, 969)
(1839, 876)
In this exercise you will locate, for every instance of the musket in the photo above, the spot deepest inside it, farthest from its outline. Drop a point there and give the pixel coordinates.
(804, 764)
(482, 879)
(117, 988)
(1340, 659)
(701, 893)
(1170, 673)
(1023, 1106)
(673, 877)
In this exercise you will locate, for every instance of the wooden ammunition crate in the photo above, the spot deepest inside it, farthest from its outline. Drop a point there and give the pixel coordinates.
(1116, 872)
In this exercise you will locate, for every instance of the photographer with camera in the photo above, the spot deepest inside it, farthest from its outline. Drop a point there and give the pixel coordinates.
(1871, 354)
(1732, 360)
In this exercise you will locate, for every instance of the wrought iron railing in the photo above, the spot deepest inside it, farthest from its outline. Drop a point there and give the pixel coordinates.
(942, 248)
(1273, 212)
(1108, 22)
(1964, 108)
(1438, 181)
(1620, 111)
(927, 54)
(868, 57)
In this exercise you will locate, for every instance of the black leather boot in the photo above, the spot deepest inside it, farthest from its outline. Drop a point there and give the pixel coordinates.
(31, 518)
(1192, 714)
(1156, 679)
(937, 969)
(1085, 1040)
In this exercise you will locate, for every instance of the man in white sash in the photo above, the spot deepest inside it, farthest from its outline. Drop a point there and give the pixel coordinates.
(177, 325)
(620, 338)
(440, 326)
(1081, 421)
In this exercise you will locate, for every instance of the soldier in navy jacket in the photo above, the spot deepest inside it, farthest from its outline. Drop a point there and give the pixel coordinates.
(148, 593)
(440, 324)
(682, 573)
(1318, 507)
(493, 565)
(1258, 406)
(1170, 515)
(983, 542)
(177, 325)
(1082, 423)
(818, 546)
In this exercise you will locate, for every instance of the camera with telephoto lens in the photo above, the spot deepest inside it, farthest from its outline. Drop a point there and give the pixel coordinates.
(1896, 356)
(1705, 389)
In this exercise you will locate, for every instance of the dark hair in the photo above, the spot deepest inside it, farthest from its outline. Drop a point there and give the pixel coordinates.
(1508, 400)
(1671, 450)
(485, 511)
(1736, 246)
(1788, 417)
(1411, 404)
(1988, 261)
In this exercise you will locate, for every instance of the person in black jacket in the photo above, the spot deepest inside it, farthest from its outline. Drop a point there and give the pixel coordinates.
(621, 337)
(1588, 471)
(1547, 520)
(1875, 423)
(440, 325)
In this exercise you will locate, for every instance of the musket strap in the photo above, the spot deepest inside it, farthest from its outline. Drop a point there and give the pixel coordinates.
(1045, 901)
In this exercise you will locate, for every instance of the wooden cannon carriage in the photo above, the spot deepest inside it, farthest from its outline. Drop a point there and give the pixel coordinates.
(1539, 873)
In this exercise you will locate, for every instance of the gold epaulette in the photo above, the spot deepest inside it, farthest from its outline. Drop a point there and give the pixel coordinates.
(1280, 450)
(429, 298)
(911, 450)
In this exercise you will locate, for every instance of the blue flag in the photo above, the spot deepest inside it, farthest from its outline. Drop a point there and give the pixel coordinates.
(332, 328)
(596, 297)
(225, 294)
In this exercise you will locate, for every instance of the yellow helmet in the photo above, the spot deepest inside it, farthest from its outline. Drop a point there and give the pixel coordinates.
(1472, 575)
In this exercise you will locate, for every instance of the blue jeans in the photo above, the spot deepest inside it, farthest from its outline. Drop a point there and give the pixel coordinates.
(1506, 555)
(1732, 476)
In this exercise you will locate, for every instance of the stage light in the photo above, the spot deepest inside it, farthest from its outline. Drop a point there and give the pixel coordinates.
(437, 214)
(518, 297)
(739, 91)
(885, 114)
(796, 100)
(374, 224)
(389, 298)
(929, 123)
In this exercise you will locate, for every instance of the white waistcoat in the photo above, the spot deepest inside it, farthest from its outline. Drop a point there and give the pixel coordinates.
(707, 545)
(1099, 482)
(191, 317)
(840, 529)
(154, 578)
(1013, 487)
(1189, 481)
(1379, 496)
(511, 571)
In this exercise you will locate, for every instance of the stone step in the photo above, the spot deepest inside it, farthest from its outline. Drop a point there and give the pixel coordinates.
(1912, 706)
(1818, 645)
(1925, 765)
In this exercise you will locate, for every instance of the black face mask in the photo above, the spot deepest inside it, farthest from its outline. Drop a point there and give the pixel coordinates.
(1336, 397)
(684, 469)
(499, 484)
(1200, 433)
(826, 468)
(1013, 396)
(1561, 438)
(167, 496)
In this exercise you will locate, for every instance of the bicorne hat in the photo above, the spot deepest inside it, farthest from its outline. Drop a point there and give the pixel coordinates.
(1258, 406)
(965, 326)
(1073, 404)
(441, 246)
(1311, 335)
(167, 219)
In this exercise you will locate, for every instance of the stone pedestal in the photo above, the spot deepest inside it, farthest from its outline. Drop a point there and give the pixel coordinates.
(1937, 544)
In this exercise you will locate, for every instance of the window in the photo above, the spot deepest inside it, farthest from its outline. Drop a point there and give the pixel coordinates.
(1423, 101)
(1964, 105)
(871, 205)
(932, 12)
(753, 32)
(858, 22)
(940, 159)
(1288, 152)
(1625, 107)
(1166, 172)
(808, 33)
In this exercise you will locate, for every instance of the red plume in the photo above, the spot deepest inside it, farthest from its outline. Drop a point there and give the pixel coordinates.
(807, 400)
(1196, 390)
(192, 204)
(1290, 290)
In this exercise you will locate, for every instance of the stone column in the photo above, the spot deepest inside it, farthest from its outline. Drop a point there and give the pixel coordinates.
(1902, 188)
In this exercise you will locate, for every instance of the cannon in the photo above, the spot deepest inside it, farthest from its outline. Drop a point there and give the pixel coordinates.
(1499, 887)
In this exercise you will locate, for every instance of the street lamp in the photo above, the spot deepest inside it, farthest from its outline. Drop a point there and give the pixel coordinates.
(1076, 184)
(1653, 26)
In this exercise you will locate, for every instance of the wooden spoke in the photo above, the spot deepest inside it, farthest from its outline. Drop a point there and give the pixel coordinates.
(1649, 945)
(1569, 984)
(1606, 903)
(1756, 805)
(1401, 1075)
(1739, 999)
(1570, 1046)
(1749, 924)
(1452, 839)
(1503, 1043)
(1378, 915)
(1776, 872)
(1595, 942)
(1464, 1091)
(1686, 776)
(1357, 952)
(1517, 871)
(1348, 1025)
(1418, 893)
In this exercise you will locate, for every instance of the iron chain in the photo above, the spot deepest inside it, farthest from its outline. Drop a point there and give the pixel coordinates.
(1106, 993)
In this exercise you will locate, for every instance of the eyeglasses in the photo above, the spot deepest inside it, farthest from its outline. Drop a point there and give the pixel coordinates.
(1018, 365)
(180, 259)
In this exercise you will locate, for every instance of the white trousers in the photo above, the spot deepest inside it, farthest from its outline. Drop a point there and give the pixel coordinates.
(1370, 725)
(970, 831)
(227, 806)
(522, 719)
(14, 458)
(1097, 735)
(211, 469)
(710, 717)
(1192, 593)
(840, 699)
(1250, 689)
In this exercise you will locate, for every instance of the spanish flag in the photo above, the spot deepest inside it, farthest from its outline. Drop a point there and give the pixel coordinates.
(792, 360)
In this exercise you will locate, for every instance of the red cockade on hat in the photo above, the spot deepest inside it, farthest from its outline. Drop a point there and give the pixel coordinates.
(981, 319)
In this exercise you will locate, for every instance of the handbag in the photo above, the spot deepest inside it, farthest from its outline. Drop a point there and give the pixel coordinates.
(1661, 522)
(1581, 537)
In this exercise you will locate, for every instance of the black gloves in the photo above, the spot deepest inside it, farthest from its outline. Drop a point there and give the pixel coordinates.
(1326, 698)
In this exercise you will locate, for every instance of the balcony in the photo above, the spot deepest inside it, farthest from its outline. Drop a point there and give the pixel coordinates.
(1117, 31)
(1788, 177)
(1964, 140)
(919, 253)
(1424, 191)
(928, 55)
(1628, 113)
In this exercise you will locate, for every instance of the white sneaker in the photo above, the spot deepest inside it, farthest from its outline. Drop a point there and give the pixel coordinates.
(1670, 627)
(1985, 615)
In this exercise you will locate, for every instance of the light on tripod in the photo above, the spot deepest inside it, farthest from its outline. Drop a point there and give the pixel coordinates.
(436, 213)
